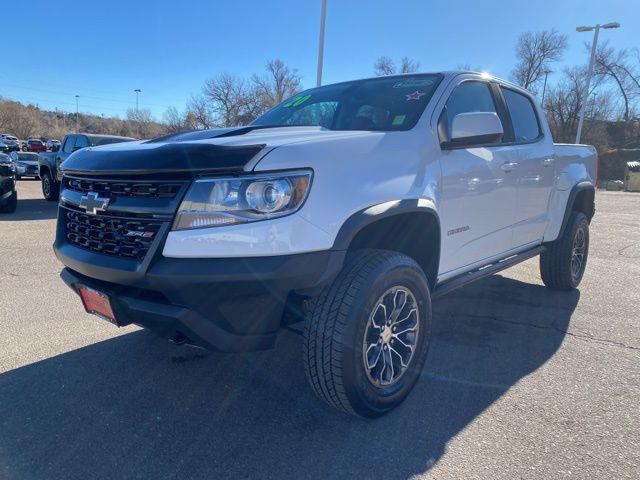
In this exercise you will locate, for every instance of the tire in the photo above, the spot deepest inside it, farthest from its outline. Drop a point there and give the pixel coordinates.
(563, 264)
(342, 326)
(10, 204)
(50, 188)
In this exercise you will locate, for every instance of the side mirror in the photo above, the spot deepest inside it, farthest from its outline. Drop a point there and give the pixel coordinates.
(474, 128)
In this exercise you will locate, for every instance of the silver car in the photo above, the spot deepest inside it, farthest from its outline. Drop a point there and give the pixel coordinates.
(26, 164)
(9, 142)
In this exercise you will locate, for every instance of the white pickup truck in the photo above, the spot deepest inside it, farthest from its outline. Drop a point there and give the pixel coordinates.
(355, 204)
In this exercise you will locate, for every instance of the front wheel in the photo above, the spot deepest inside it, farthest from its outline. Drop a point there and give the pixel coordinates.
(562, 265)
(366, 340)
(49, 188)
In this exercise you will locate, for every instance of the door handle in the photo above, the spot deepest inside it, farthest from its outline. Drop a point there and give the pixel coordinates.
(547, 162)
(508, 166)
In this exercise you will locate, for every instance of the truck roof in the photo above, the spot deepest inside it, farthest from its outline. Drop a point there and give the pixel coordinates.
(95, 135)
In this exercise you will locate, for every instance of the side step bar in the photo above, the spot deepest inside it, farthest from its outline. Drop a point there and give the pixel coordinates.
(484, 271)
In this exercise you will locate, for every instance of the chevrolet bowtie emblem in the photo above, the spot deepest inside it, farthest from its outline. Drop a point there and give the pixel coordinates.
(93, 203)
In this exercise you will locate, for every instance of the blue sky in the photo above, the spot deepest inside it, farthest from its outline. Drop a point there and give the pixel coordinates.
(103, 50)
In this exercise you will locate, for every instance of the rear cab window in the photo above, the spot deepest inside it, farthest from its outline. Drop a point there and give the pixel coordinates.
(81, 142)
(526, 127)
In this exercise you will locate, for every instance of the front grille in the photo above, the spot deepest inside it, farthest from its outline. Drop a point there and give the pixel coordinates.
(121, 237)
(123, 189)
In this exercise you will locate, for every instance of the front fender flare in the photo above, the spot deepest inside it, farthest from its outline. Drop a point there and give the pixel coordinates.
(369, 215)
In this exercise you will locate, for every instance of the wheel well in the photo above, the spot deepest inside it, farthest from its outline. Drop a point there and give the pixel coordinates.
(416, 234)
(44, 168)
(584, 202)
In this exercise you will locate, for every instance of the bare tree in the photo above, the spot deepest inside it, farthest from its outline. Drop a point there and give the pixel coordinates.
(142, 123)
(563, 104)
(30, 120)
(618, 67)
(408, 66)
(226, 96)
(174, 120)
(228, 100)
(280, 82)
(384, 66)
(199, 113)
(536, 51)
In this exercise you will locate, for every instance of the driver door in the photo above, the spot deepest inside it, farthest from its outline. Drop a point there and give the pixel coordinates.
(478, 194)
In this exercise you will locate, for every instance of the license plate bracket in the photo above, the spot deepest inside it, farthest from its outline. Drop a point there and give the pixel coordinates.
(97, 303)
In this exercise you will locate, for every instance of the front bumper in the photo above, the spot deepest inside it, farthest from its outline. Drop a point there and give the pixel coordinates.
(229, 305)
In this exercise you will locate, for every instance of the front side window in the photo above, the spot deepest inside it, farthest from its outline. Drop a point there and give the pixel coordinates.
(68, 144)
(385, 104)
(466, 98)
(523, 116)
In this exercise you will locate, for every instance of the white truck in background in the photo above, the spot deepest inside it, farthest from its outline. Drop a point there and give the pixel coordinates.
(362, 201)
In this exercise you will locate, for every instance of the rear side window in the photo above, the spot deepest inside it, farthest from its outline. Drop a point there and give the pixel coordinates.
(81, 142)
(467, 97)
(68, 144)
(523, 116)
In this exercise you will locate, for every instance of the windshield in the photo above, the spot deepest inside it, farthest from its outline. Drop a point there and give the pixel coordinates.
(25, 157)
(388, 103)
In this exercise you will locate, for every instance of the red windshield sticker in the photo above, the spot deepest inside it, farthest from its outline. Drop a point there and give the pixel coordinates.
(414, 96)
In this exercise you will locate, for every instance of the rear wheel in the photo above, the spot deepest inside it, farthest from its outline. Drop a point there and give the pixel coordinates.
(10, 204)
(563, 264)
(49, 187)
(366, 340)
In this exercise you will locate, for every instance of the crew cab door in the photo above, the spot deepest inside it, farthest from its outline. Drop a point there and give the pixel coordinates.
(478, 188)
(536, 169)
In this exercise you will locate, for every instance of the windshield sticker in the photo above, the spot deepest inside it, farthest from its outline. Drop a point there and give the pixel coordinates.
(398, 120)
(294, 102)
(414, 82)
(414, 96)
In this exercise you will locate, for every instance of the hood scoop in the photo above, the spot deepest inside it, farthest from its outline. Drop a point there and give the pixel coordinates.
(188, 159)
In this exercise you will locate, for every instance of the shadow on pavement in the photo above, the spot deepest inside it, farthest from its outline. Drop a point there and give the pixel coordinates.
(134, 406)
(32, 209)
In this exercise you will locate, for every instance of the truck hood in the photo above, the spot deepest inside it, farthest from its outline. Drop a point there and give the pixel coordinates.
(224, 150)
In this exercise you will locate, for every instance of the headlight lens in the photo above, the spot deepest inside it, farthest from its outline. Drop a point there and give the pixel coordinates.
(212, 202)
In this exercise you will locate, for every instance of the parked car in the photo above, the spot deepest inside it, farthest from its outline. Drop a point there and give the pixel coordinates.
(8, 193)
(614, 185)
(36, 145)
(358, 202)
(26, 164)
(50, 161)
(9, 143)
(53, 145)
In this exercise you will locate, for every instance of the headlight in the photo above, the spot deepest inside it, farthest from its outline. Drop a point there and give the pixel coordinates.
(213, 202)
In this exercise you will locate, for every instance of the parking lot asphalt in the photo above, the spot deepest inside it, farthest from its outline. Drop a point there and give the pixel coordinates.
(520, 382)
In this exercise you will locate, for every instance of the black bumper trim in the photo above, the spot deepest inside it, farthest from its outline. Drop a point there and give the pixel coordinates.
(230, 305)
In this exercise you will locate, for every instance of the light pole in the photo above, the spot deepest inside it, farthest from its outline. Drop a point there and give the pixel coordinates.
(137, 91)
(592, 58)
(77, 112)
(323, 16)
(544, 88)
